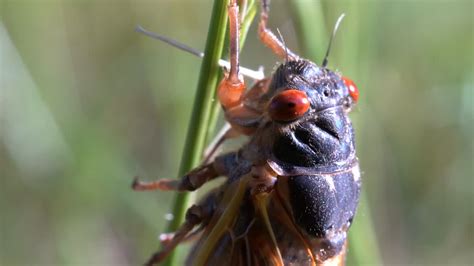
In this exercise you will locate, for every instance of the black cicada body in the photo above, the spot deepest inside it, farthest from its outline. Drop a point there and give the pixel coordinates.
(291, 191)
(316, 156)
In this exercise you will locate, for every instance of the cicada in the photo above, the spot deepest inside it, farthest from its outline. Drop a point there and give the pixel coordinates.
(292, 189)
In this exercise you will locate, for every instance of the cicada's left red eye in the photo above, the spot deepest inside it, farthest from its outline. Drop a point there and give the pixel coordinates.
(353, 91)
(288, 105)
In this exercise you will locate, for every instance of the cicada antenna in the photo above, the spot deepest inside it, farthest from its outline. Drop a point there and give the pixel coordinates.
(169, 41)
(336, 26)
(257, 75)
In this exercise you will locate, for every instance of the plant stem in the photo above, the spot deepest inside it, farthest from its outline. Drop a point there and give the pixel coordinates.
(198, 125)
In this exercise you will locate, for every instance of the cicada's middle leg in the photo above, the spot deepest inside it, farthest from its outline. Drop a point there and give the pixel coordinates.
(189, 182)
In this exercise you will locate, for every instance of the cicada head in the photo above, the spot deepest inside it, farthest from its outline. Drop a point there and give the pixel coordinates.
(300, 88)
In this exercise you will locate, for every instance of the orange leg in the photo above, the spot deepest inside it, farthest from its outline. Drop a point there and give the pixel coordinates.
(237, 106)
(194, 179)
(232, 87)
(268, 37)
(190, 182)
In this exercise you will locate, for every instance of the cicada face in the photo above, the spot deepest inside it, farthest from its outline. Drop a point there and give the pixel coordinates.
(323, 87)
(320, 87)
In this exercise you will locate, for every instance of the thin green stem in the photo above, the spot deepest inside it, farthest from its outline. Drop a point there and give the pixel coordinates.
(198, 126)
(247, 21)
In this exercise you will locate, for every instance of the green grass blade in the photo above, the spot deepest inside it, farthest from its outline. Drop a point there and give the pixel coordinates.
(247, 21)
(198, 126)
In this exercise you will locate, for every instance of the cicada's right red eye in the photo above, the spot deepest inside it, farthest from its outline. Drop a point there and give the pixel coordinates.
(353, 90)
(288, 105)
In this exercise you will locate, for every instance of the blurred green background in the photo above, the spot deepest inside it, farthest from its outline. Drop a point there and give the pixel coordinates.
(86, 104)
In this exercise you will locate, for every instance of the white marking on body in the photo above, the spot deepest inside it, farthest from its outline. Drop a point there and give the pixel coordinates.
(330, 182)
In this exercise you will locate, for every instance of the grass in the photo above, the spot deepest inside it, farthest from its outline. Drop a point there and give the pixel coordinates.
(200, 119)
(88, 104)
(205, 109)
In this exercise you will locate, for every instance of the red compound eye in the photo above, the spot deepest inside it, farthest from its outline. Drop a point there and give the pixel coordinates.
(288, 105)
(353, 91)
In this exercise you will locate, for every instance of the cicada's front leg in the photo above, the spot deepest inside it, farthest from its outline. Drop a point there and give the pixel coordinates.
(268, 37)
(240, 108)
(232, 87)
